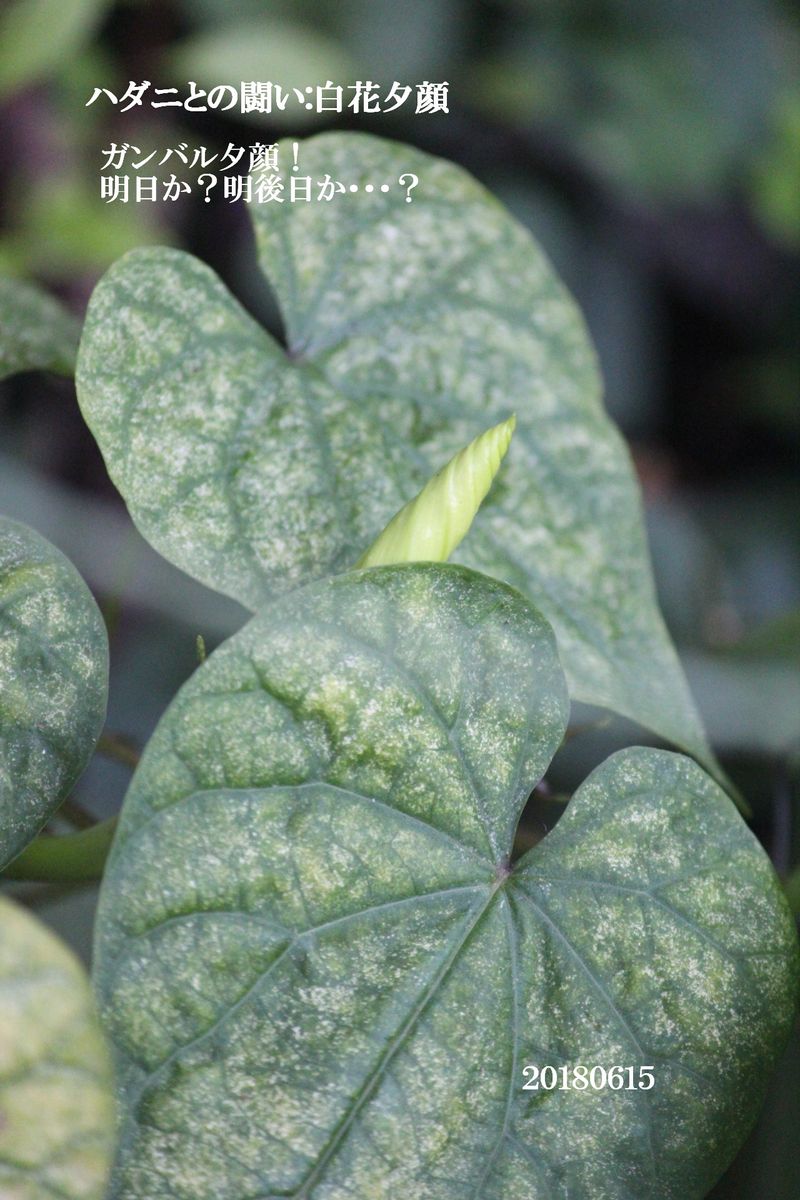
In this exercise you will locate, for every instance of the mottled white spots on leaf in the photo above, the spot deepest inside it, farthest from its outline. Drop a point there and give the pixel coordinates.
(410, 328)
(318, 982)
(36, 333)
(56, 1100)
(53, 682)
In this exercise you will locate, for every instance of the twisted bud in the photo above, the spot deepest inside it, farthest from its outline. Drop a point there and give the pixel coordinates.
(430, 527)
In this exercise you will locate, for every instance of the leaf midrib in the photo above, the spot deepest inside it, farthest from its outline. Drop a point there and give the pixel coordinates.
(155, 1073)
(374, 1077)
(474, 915)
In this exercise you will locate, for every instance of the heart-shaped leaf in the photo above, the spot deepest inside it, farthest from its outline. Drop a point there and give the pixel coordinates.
(53, 682)
(410, 328)
(56, 1097)
(36, 333)
(324, 979)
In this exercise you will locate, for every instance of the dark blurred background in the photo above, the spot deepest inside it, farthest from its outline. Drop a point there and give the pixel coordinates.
(652, 146)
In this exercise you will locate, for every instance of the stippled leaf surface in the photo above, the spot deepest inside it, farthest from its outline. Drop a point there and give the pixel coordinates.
(322, 979)
(53, 682)
(410, 327)
(36, 333)
(56, 1094)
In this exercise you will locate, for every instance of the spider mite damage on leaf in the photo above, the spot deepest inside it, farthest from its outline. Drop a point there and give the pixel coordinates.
(56, 1097)
(409, 328)
(322, 978)
(53, 682)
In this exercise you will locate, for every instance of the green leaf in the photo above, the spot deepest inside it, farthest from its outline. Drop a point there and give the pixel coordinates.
(36, 36)
(667, 111)
(53, 682)
(410, 328)
(322, 977)
(778, 640)
(66, 230)
(56, 1098)
(775, 177)
(36, 333)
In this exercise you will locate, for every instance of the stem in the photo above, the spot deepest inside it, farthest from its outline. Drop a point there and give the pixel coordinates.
(525, 839)
(76, 814)
(114, 745)
(74, 858)
(574, 731)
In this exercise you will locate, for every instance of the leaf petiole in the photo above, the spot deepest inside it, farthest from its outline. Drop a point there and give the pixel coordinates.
(69, 858)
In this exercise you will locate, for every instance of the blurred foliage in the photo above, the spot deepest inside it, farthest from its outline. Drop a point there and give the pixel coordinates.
(653, 146)
(37, 36)
(382, 38)
(775, 186)
(664, 97)
(64, 229)
(287, 54)
(778, 639)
